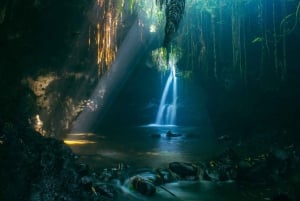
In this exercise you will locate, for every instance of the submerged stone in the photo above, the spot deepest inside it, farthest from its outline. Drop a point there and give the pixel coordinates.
(170, 134)
(143, 186)
(184, 170)
(165, 175)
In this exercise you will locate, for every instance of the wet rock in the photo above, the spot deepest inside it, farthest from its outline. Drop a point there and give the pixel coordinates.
(106, 175)
(86, 181)
(224, 138)
(104, 190)
(282, 197)
(170, 134)
(83, 169)
(151, 176)
(220, 172)
(267, 168)
(143, 186)
(120, 172)
(228, 157)
(279, 163)
(223, 168)
(211, 175)
(165, 176)
(253, 173)
(184, 170)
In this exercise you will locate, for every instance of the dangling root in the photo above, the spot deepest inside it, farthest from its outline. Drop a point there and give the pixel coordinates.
(283, 21)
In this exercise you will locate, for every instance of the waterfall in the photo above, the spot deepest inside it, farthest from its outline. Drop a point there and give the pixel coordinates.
(166, 114)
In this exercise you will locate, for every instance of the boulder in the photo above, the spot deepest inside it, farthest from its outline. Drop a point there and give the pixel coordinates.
(282, 197)
(165, 175)
(83, 169)
(170, 134)
(184, 170)
(143, 186)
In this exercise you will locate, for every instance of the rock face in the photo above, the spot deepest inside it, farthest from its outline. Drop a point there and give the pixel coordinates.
(223, 168)
(143, 186)
(184, 170)
(40, 35)
(36, 168)
(281, 197)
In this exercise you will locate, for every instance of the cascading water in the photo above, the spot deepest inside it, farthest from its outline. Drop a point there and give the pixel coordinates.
(166, 114)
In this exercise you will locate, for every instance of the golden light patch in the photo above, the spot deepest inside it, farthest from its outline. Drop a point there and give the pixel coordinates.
(78, 142)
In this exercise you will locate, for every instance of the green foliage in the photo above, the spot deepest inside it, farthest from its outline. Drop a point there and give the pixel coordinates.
(159, 58)
(186, 74)
(204, 5)
(257, 40)
(120, 6)
(131, 5)
(202, 44)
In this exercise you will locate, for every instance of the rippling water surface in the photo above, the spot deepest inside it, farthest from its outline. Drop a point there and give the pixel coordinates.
(144, 146)
(149, 147)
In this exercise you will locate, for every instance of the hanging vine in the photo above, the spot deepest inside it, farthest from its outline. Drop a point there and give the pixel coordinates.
(275, 37)
(285, 32)
(284, 21)
(236, 36)
(213, 37)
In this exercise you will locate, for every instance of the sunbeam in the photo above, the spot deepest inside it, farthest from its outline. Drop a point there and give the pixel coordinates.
(112, 81)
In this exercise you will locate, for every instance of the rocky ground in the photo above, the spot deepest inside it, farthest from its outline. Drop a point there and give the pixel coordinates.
(38, 168)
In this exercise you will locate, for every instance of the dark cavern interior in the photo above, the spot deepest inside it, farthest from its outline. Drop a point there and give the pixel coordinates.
(117, 100)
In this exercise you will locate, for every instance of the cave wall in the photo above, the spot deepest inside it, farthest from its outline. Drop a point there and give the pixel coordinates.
(47, 69)
(40, 39)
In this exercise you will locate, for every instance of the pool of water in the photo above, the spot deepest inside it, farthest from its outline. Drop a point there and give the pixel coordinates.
(149, 147)
(144, 146)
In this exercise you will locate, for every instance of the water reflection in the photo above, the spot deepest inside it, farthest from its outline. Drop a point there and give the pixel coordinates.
(149, 146)
(79, 139)
(144, 146)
